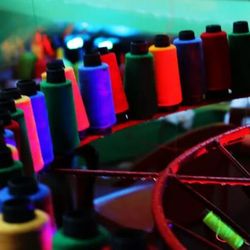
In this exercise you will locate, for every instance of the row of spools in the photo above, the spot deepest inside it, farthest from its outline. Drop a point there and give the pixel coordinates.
(50, 122)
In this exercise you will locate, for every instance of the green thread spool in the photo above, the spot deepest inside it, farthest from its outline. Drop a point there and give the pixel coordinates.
(239, 44)
(61, 110)
(18, 116)
(26, 65)
(223, 231)
(80, 232)
(139, 81)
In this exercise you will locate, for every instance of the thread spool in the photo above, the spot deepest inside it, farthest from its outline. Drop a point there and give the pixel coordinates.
(59, 100)
(24, 148)
(217, 59)
(28, 88)
(9, 137)
(119, 97)
(26, 65)
(96, 92)
(167, 80)
(8, 167)
(128, 238)
(14, 152)
(10, 125)
(23, 228)
(191, 66)
(80, 231)
(222, 230)
(81, 115)
(24, 103)
(38, 193)
(139, 81)
(239, 41)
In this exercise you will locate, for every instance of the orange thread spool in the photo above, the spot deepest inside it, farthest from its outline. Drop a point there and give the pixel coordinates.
(168, 87)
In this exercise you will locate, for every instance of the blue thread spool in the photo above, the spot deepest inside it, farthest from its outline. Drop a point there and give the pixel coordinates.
(23, 186)
(191, 66)
(28, 88)
(95, 86)
(9, 137)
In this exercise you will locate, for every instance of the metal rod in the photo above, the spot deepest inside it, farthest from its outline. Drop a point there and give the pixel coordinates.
(226, 153)
(209, 205)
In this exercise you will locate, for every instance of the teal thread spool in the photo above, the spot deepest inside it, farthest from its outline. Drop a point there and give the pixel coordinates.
(80, 232)
(61, 110)
(223, 231)
(25, 152)
(239, 44)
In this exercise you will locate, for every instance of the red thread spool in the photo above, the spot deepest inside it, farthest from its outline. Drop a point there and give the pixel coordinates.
(119, 97)
(168, 86)
(217, 59)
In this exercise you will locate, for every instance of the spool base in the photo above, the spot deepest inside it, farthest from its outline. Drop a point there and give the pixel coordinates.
(217, 94)
(100, 131)
(169, 108)
(122, 117)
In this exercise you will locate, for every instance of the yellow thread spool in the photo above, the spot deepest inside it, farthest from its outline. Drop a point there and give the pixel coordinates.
(32, 235)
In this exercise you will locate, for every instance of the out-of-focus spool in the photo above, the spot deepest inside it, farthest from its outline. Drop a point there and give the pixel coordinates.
(24, 148)
(28, 88)
(96, 92)
(38, 193)
(23, 228)
(119, 96)
(14, 152)
(24, 103)
(10, 128)
(167, 79)
(9, 168)
(59, 101)
(139, 81)
(26, 65)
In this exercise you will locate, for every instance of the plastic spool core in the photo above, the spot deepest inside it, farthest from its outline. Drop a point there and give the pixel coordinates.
(213, 28)
(92, 59)
(5, 154)
(22, 186)
(18, 210)
(80, 224)
(5, 116)
(55, 72)
(139, 47)
(10, 93)
(240, 27)
(27, 87)
(7, 103)
(103, 50)
(161, 41)
(186, 35)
